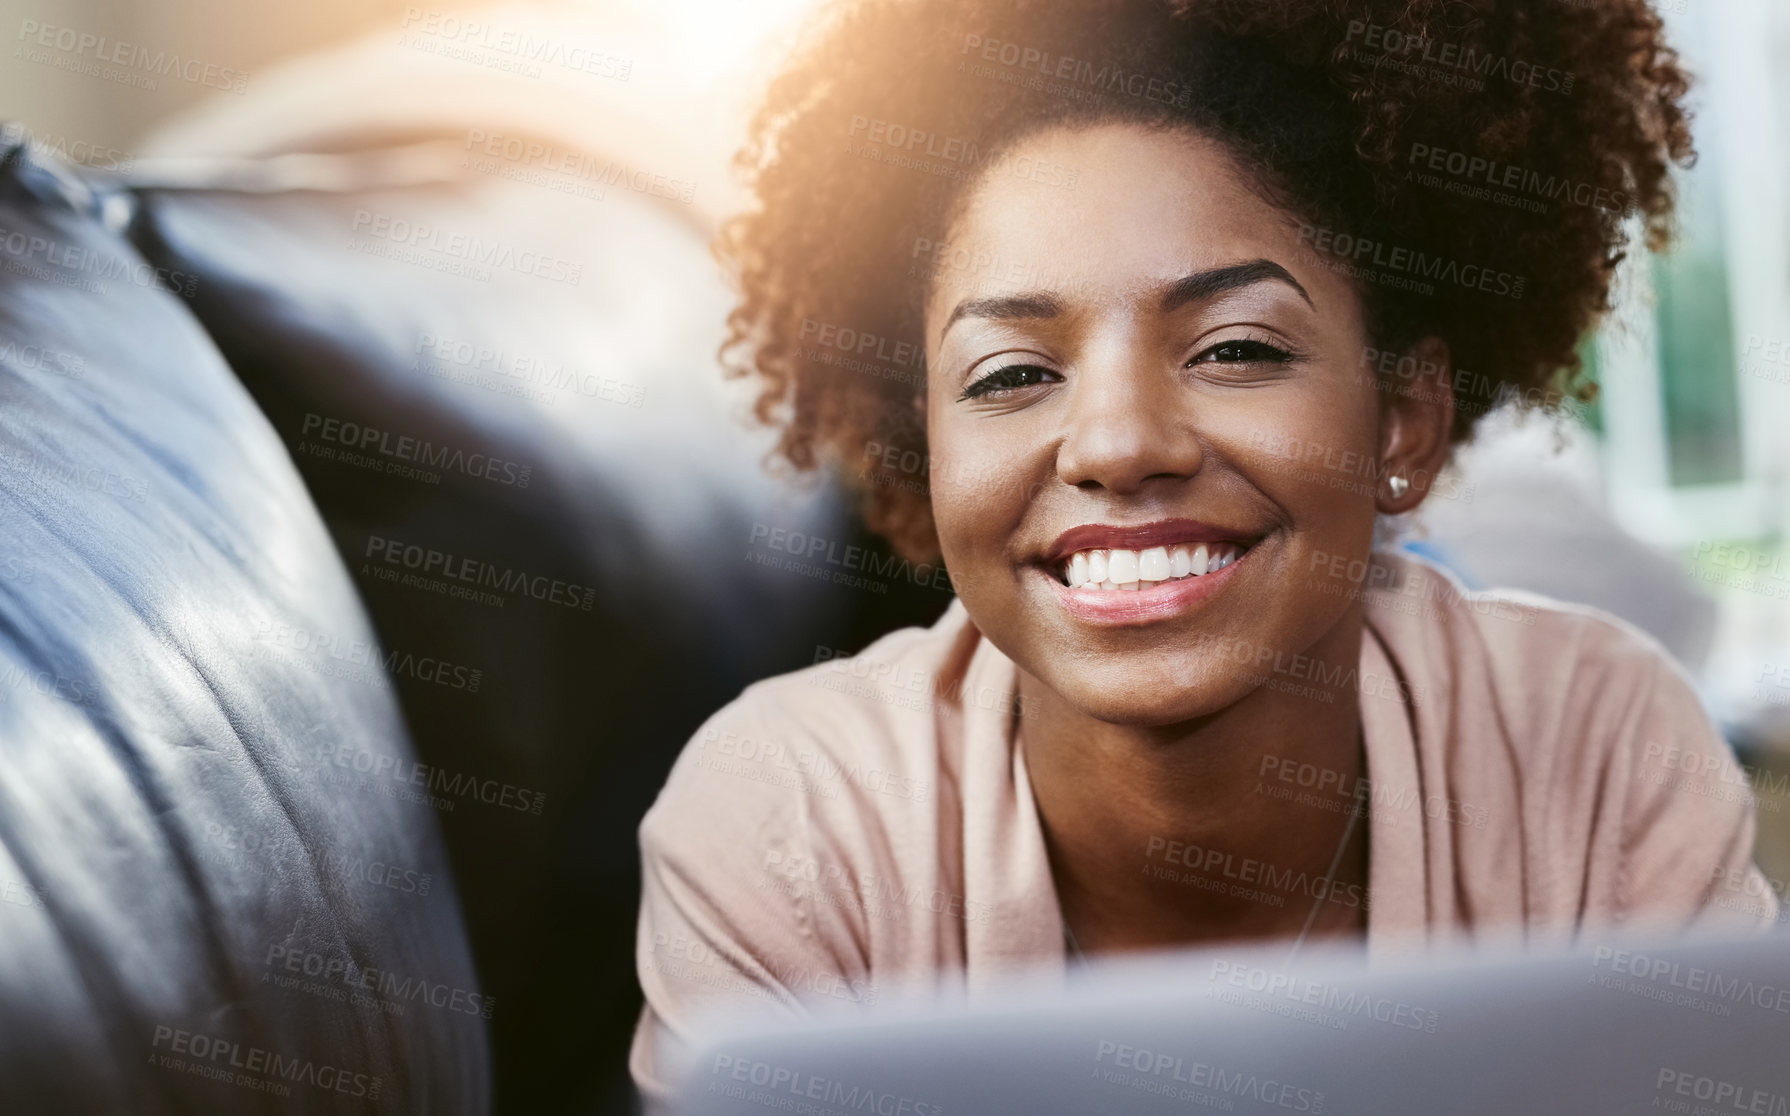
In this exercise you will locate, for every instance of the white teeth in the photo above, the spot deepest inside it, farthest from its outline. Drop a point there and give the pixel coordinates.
(1121, 566)
(1152, 564)
(1130, 569)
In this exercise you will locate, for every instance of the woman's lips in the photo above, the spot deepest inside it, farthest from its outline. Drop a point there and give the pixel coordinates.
(1163, 532)
(1161, 601)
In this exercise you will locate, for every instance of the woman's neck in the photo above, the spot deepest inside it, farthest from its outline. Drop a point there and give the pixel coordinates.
(1223, 828)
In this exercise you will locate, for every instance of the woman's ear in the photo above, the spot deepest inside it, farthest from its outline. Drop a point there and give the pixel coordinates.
(1416, 416)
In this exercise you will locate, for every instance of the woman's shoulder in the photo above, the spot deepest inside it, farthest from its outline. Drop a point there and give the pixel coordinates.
(1575, 703)
(904, 673)
(1567, 693)
(879, 704)
(846, 732)
(1579, 730)
(1512, 639)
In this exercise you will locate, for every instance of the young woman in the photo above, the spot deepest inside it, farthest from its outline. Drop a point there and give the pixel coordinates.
(1175, 301)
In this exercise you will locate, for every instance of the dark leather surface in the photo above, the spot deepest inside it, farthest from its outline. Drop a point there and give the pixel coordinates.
(177, 843)
(643, 488)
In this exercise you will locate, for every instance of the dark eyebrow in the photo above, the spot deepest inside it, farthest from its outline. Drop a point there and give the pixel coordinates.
(1194, 288)
(1204, 284)
(1005, 309)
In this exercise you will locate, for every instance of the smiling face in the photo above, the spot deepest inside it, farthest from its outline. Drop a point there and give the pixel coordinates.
(1148, 364)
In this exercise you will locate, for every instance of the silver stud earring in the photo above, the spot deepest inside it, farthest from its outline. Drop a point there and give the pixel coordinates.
(1398, 485)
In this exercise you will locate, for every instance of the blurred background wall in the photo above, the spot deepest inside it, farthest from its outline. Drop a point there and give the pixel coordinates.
(248, 37)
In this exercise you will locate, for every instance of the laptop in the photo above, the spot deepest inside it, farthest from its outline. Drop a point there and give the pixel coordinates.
(1696, 1028)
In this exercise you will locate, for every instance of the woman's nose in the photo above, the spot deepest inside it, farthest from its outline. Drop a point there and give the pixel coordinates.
(1126, 426)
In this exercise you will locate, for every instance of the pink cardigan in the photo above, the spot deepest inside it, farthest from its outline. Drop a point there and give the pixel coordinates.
(863, 829)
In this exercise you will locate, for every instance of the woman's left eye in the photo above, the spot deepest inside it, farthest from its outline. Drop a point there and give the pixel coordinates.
(1008, 378)
(1242, 351)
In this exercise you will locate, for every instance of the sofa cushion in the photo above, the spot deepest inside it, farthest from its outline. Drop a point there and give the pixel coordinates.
(218, 891)
(504, 396)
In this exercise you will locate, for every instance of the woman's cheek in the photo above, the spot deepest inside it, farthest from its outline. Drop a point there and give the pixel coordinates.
(964, 495)
(976, 505)
(1317, 449)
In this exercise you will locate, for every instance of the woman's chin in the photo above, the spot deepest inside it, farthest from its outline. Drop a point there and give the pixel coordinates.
(1150, 704)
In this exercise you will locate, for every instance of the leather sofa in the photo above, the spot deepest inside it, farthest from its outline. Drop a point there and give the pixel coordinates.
(216, 894)
(365, 510)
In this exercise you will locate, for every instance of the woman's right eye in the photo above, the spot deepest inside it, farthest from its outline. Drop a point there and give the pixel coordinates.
(1007, 378)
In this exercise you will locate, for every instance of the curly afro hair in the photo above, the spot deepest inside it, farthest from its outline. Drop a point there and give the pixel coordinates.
(1522, 135)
